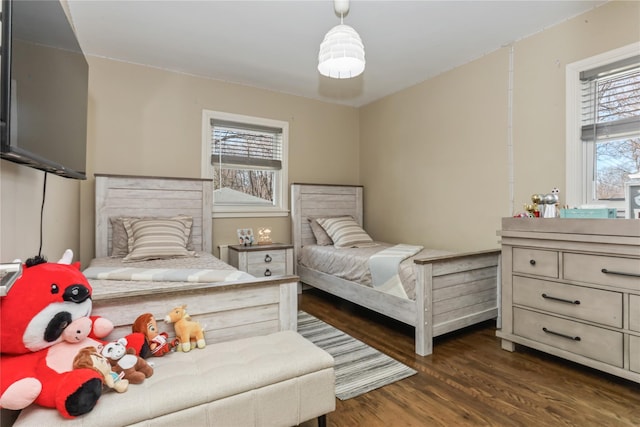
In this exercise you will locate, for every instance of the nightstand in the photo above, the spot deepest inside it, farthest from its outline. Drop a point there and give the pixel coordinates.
(275, 259)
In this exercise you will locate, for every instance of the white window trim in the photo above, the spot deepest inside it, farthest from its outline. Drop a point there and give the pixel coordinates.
(206, 169)
(576, 153)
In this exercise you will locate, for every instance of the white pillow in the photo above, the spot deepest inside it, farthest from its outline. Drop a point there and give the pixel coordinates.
(345, 232)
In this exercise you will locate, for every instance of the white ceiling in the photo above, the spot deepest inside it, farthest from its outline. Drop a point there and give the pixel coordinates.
(274, 44)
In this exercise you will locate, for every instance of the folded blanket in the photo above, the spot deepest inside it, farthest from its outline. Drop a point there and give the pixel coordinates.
(384, 267)
(194, 275)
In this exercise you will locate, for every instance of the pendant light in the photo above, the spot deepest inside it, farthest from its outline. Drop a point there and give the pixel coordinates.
(341, 52)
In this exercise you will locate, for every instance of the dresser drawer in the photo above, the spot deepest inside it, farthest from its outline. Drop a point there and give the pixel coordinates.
(534, 261)
(266, 263)
(634, 313)
(586, 340)
(634, 353)
(594, 305)
(622, 272)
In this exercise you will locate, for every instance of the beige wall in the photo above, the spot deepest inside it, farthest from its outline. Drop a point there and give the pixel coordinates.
(20, 202)
(435, 159)
(146, 121)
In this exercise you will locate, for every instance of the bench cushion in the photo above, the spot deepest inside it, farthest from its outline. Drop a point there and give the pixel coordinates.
(276, 379)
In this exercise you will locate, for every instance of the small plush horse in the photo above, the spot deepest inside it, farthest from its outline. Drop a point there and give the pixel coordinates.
(189, 333)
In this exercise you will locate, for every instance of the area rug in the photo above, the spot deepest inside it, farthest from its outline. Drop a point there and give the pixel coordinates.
(359, 368)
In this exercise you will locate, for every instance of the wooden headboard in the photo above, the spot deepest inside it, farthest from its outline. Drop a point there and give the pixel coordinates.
(314, 200)
(143, 196)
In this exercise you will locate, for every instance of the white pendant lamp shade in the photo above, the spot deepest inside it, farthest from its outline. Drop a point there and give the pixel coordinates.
(341, 53)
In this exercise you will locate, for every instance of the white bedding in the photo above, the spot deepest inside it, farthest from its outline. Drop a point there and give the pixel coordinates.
(203, 268)
(353, 263)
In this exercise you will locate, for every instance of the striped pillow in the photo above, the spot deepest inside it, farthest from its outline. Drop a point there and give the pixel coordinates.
(158, 238)
(120, 240)
(345, 232)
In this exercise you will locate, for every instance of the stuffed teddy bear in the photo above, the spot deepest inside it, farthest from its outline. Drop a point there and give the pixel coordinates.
(89, 357)
(45, 320)
(45, 300)
(189, 333)
(134, 367)
(158, 341)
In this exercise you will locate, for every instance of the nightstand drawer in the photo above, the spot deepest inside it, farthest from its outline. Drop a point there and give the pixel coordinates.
(267, 270)
(586, 340)
(263, 260)
(266, 257)
(267, 263)
(634, 313)
(602, 270)
(594, 305)
(534, 261)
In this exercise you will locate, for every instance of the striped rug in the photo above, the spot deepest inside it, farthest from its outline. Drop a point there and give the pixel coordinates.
(359, 368)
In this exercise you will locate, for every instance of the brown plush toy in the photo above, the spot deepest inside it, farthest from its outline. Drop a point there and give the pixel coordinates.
(135, 368)
(88, 357)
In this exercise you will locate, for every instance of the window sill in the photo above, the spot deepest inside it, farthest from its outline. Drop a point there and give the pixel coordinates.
(249, 214)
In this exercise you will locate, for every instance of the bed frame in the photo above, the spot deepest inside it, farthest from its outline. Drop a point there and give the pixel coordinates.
(452, 291)
(228, 310)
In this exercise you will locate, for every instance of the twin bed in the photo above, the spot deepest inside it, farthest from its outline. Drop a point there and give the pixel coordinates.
(230, 303)
(441, 292)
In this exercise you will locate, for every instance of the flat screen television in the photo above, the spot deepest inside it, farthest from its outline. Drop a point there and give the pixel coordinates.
(43, 89)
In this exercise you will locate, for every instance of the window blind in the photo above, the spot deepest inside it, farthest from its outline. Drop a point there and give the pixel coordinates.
(611, 101)
(240, 144)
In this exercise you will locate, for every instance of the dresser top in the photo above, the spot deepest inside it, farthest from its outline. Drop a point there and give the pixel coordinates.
(604, 227)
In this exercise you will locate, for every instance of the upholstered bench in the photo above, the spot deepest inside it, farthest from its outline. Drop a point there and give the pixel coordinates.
(272, 380)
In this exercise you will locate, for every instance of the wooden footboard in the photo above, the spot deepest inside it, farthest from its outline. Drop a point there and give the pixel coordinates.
(227, 311)
(453, 292)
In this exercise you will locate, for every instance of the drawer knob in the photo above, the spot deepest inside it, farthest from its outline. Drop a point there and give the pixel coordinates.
(558, 334)
(619, 273)
(267, 258)
(568, 301)
(267, 272)
(532, 262)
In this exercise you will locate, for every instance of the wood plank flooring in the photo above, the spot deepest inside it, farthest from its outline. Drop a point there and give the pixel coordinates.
(470, 381)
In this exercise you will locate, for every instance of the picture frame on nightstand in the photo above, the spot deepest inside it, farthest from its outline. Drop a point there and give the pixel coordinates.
(245, 236)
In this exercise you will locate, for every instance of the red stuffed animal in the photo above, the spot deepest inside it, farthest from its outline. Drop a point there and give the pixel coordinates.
(45, 322)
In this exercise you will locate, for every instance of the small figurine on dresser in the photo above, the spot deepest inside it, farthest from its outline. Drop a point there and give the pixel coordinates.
(548, 203)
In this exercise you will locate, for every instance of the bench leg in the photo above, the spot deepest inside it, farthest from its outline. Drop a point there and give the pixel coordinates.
(322, 421)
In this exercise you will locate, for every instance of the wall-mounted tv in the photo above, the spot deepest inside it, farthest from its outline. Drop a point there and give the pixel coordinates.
(43, 89)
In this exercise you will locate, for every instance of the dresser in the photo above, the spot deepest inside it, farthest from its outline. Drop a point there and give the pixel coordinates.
(275, 259)
(571, 288)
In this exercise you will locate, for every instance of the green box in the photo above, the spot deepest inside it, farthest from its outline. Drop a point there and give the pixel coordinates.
(589, 213)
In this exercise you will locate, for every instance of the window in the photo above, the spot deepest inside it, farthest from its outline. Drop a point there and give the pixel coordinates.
(603, 127)
(247, 159)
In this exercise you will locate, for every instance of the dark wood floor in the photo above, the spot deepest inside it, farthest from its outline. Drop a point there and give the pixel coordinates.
(470, 381)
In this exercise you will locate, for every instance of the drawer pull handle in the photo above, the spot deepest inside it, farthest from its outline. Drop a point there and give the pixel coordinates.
(568, 301)
(561, 335)
(267, 272)
(532, 262)
(267, 258)
(619, 273)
